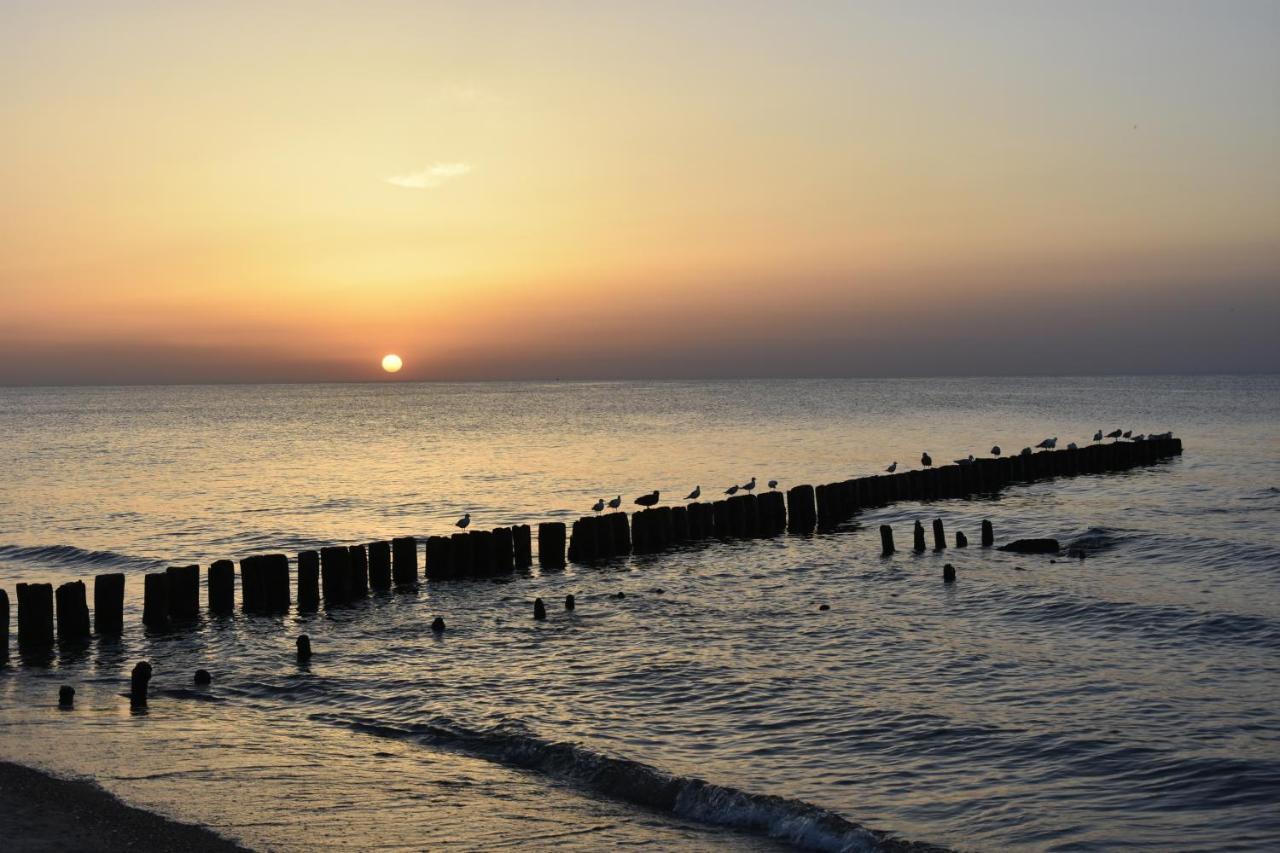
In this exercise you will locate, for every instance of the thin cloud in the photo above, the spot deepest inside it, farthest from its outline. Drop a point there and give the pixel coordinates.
(430, 177)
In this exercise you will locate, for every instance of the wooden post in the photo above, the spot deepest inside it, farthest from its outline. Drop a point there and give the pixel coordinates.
(335, 574)
(939, 535)
(828, 506)
(886, 540)
(184, 592)
(464, 558)
(504, 550)
(722, 519)
(155, 601)
(551, 544)
(773, 513)
(962, 541)
(582, 544)
(619, 532)
(679, 524)
(222, 586)
(483, 553)
(948, 573)
(308, 580)
(439, 558)
(380, 565)
(275, 575)
(4, 624)
(988, 535)
(524, 545)
(35, 615)
(738, 516)
(253, 597)
(73, 612)
(359, 571)
(802, 513)
(918, 536)
(108, 604)
(662, 523)
(404, 561)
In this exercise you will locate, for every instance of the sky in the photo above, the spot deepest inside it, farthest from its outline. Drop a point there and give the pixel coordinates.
(261, 192)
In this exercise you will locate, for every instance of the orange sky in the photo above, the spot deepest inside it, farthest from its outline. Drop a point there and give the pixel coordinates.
(498, 190)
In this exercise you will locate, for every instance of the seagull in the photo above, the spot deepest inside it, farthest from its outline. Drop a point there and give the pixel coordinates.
(925, 459)
(464, 521)
(732, 490)
(649, 499)
(1072, 446)
(1026, 451)
(966, 461)
(773, 484)
(1097, 436)
(750, 487)
(695, 494)
(1115, 433)
(616, 502)
(995, 451)
(1049, 443)
(1127, 433)
(598, 505)
(1139, 437)
(893, 467)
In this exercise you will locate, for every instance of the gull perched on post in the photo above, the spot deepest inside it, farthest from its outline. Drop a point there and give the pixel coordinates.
(892, 468)
(616, 502)
(925, 459)
(649, 499)
(598, 505)
(773, 484)
(695, 494)
(464, 521)
(750, 487)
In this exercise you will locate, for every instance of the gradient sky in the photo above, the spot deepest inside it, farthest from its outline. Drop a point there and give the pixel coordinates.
(287, 191)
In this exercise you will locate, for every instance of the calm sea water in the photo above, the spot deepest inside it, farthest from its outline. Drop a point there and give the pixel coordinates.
(1126, 700)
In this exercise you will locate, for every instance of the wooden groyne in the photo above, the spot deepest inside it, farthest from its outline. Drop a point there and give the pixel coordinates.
(341, 574)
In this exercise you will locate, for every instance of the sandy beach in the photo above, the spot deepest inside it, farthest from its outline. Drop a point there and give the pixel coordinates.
(39, 812)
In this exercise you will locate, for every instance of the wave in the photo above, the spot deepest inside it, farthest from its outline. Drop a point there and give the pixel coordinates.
(70, 555)
(795, 822)
(1096, 540)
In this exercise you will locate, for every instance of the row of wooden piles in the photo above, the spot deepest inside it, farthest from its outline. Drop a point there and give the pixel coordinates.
(340, 574)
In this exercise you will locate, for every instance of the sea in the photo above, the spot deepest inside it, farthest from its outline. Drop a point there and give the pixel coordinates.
(1126, 700)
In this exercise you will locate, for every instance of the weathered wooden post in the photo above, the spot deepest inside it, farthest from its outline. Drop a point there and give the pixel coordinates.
(380, 565)
(663, 525)
(4, 624)
(108, 604)
(155, 601)
(641, 535)
(222, 587)
(252, 585)
(988, 535)
(275, 575)
(620, 532)
(948, 573)
(66, 696)
(962, 541)
(308, 580)
(140, 678)
(439, 558)
(582, 544)
(886, 540)
(504, 550)
(184, 592)
(524, 544)
(404, 561)
(679, 524)
(483, 555)
(359, 570)
(335, 574)
(464, 558)
(828, 502)
(551, 544)
(918, 536)
(738, 516)
(773, 513)
(722, 519)
(569, 602)
(802, 513)
(303, 645)
(73, 612)
(939, 535)
(35, 615)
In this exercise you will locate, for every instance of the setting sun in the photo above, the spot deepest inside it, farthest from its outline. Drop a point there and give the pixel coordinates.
(391, 363)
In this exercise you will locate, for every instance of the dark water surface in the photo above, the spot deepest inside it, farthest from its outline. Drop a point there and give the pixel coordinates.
(1126, 700)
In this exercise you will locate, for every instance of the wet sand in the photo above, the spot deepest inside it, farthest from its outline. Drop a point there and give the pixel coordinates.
(39, 812)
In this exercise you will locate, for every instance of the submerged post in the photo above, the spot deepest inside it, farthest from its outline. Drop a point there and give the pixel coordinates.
(918, 532)
(939, 535)
(73, 612)
(108, 604)
(988, 535)
(886, 540)
(962, 541)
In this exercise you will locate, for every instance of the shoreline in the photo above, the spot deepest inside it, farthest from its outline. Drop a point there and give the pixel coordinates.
(43, 812)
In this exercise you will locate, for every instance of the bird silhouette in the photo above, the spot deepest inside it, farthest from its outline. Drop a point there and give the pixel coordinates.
(968, 460)
(1026, 451)
(1127, 433)
(925, 459)
(893, 467)
(695, 494)
(1072, 446)
(616, 502)
(464, 521)
(649, 499)
(1115, 433)
(1097, 436)
(1048, 443)
(750, 487)
(995, 451)
(773, 484)
(598, 505)
(732, 490)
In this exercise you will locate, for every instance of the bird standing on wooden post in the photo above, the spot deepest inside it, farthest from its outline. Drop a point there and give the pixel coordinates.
(464, 521)
(773, 484)
(616, 502)
(695, 494)
(598, 506)
(892, 468)
(926, 460)
(751, 486)
(649, 499)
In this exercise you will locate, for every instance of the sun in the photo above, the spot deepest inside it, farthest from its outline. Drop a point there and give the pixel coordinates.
(391, 363)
